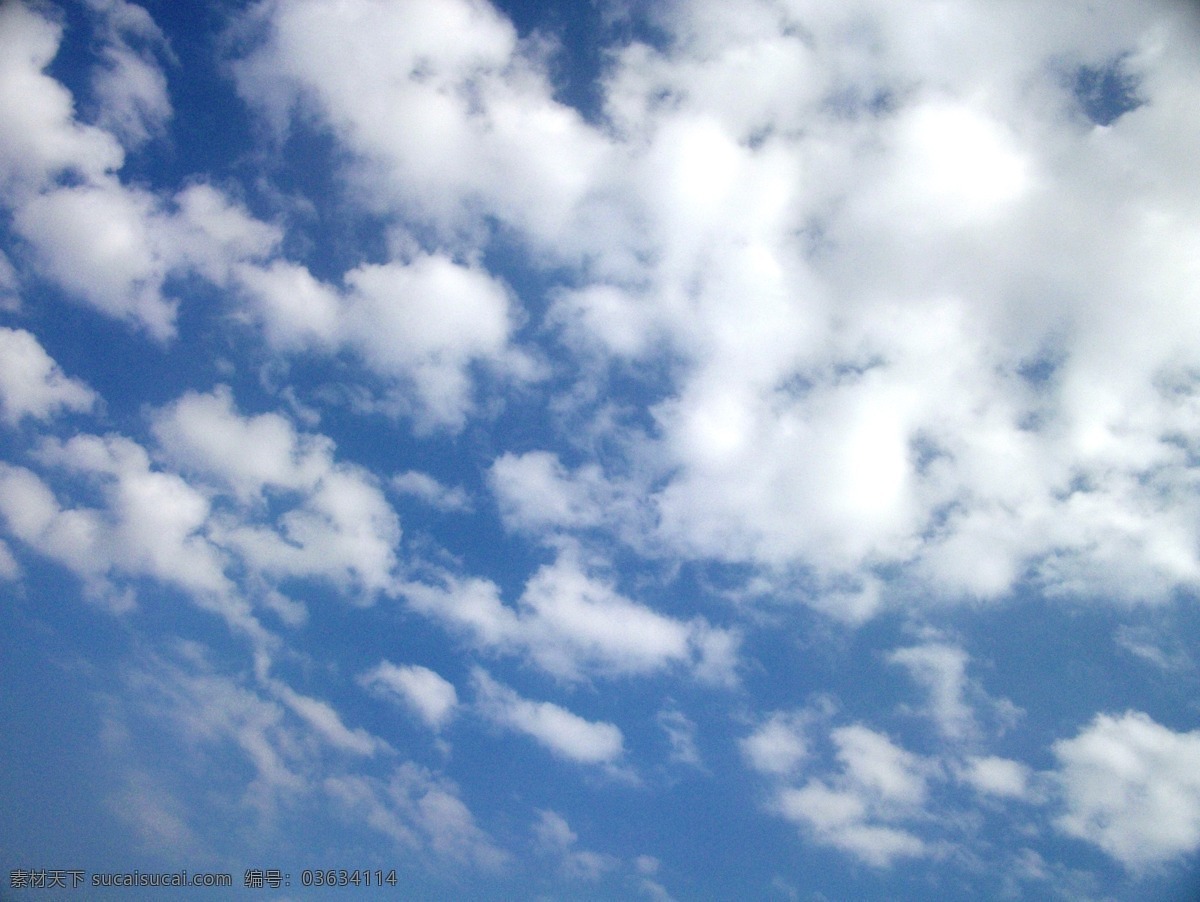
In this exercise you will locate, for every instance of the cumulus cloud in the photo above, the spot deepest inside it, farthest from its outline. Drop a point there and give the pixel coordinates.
(778, 745)
(1131, 787)
(535, 491)
(430, 696)
(565, 734)
(860, 809)
(342, 529)
(573, 625)
(186, 525)
(995, 776)
(32, 384)
(151, 524)
(736, 215)
(40, 137)
(446, 113)
(420, 324)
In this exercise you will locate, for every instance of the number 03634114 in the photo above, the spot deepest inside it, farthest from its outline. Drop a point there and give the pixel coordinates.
(342, 877)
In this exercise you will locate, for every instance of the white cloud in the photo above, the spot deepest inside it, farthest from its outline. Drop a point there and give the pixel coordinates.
(563, 733)
(341, 529)
(430, 696)
(205, 434)
(681, 734)
(1159, 648)
(942, 670)
(39, 137)
(1131, 787)
(425, 321)
(9, 568)
(420, 324)
(32, 384)
(417, 810)
(535, 491)
(287, 739)
(997, 776)
(862, 808)
(573, 625)
(554, 836)
(113, 247)
(446, 111)
(130, 87)
(430, 491)
(325, 519)
(778, 745)
(97, 242)
(326, 722)
(151, 525)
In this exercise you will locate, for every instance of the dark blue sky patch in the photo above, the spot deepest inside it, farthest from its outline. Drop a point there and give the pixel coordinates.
(1106, 92)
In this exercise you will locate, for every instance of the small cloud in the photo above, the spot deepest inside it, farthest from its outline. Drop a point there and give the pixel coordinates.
(426, 488)
(1146, 644)
(563, 733)
(995, 776)
(681, 734)
(555, 837)
(427, 694)
(778, 746)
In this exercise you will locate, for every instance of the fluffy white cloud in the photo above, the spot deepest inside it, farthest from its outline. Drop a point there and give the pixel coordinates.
(997, 776)
(562, 732)
(205, 434)
(778, 745)
(430, 696)
(342, 529)
(573, 625)
(258, 494)
(535, 491)
(32, 384)
(425, 321)
(97, 242)
(420, 324)
(446, 112)
(861, 808)
(39, 137)
(1131, 787)
(151, 525)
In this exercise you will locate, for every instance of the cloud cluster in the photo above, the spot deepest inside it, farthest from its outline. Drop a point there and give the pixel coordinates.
(852, 304)
(860, 807)
(966, 397)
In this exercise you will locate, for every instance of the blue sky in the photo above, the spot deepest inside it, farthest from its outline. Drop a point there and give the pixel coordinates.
(622, 450)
